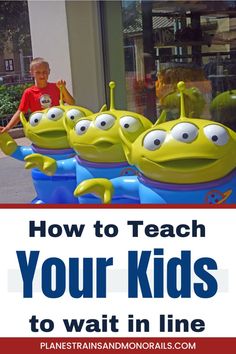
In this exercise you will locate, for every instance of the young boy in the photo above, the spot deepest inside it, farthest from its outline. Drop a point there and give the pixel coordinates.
(42, 95)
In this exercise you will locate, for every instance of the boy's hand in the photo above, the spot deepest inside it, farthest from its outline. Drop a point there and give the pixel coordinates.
(45, 164)
(65, 96)
(61, 83)
(7, 144)
(101, 187)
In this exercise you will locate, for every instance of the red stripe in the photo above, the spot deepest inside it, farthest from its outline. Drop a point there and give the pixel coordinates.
(117, 206)
(130, 345)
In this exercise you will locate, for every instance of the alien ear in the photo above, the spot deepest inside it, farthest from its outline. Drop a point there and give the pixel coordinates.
(147, 124)
(104, 108)
(68, 123)
(162, 118)
(86, 112)
(23, 119)
(127, 147)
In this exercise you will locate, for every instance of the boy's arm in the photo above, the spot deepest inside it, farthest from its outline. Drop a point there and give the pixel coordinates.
(67, 98)
(14, 121)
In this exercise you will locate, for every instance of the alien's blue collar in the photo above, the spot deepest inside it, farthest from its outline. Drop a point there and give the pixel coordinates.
(187, 187)
(43, 151)
(100, 164)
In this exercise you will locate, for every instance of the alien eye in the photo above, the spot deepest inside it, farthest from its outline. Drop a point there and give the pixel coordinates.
(35, 118)
(74, 114)
(54, 113)
(130, 124)
(217, 134)
(104, 121)
(82, 126)
(185, 132)
(154, 140)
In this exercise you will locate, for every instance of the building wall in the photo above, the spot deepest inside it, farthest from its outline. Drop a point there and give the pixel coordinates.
(49, 37)
(114, 49)
(66, 33)
(12, 53)
(85, 46)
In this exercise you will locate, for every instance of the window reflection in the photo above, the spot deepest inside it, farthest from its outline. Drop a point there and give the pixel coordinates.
(169, 41)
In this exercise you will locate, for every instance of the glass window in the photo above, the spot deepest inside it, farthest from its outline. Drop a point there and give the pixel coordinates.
(170, 41)
(9, 65)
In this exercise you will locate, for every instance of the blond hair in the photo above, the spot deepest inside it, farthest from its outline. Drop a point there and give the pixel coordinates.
(38, 60)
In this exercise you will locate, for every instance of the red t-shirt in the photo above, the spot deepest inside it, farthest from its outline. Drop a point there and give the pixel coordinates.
(37, 99)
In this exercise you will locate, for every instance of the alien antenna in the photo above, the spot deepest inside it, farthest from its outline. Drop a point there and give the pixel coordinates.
(112, 86)
(181, 87)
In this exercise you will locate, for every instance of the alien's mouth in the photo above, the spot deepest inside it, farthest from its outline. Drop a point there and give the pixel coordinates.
(103, 144)
(187, 163)
(53, 134)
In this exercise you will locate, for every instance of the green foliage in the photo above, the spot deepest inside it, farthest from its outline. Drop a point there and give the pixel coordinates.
(14, 25)
(10, 98)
